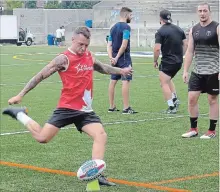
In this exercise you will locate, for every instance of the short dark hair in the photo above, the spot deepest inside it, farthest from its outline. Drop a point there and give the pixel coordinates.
(204, 3)
(84, 31)
(125, 10)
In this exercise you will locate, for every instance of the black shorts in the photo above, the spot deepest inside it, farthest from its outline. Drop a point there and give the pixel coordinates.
(62, 117)
(170, 69)
(59, 40)
(123, 78)
(204, 83)
(122, 63)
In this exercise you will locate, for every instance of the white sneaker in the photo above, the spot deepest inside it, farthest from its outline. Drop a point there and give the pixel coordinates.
(193, 132)
(208, 135)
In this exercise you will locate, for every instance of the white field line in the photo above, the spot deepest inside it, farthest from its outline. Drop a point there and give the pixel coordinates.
(115, 123)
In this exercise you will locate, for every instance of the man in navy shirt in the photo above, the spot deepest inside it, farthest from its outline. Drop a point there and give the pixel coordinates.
(171, 41)
(119, 54)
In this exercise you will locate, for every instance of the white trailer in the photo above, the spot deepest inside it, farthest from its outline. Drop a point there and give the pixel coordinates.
(10, 32)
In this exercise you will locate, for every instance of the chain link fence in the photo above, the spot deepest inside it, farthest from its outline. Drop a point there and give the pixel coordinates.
(42, 22)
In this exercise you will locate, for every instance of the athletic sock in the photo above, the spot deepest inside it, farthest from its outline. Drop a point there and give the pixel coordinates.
(170, 103)
(212, 125)
(23, 118)
(193, 122)
(174, 97)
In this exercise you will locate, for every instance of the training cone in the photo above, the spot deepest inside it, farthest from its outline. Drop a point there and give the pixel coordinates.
(93, 186)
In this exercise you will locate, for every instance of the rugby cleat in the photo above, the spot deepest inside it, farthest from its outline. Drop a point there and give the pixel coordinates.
(103, 181)
(193, 132)
(13, 111)
(171, 110)
(177, 104)
(208, 135)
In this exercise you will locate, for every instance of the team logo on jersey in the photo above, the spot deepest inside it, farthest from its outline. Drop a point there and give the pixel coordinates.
(196, 33)
(208, 33)
(83, 67)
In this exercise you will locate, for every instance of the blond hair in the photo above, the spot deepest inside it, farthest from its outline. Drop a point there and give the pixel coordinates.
(83, 30)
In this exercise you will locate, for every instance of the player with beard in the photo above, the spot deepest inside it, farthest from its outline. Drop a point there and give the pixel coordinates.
(204, 43)
(119, 54)
(171, 41)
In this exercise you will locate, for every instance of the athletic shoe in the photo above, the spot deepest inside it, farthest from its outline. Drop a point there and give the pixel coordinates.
(129, 110)
(113, 110)
(13, 111)
(208, 135)
(103, 181)
(171, 110)
(193, 132)
(177, 104)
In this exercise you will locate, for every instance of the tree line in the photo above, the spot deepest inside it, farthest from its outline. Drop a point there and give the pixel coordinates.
(11, 4)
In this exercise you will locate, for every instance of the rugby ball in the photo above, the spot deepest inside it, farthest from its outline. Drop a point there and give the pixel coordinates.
(91, 170)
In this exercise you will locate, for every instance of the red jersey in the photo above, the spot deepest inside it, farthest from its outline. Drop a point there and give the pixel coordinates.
(77, 82)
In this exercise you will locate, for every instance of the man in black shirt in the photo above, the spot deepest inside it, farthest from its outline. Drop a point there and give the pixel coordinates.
(171, 41)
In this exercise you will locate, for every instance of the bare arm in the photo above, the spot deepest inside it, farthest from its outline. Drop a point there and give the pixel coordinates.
(109, 49)
(189, 53)
(122, 48)
(105, 69)
(57, 64)
(185, 45)
(157, 48)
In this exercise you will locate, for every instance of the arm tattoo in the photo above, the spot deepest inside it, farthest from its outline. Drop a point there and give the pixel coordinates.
(105, 69)
(57, 64)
